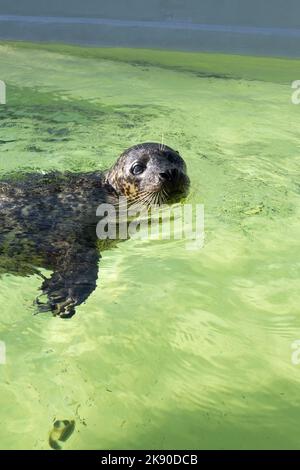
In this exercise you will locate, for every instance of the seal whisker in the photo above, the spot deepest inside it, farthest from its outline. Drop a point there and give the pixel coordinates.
(129, 202)
(165, 194)
(140, 200)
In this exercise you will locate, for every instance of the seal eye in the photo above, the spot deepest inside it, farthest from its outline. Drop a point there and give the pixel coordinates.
(137, 168)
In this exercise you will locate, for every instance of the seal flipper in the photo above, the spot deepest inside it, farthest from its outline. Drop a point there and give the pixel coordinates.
(74, 278)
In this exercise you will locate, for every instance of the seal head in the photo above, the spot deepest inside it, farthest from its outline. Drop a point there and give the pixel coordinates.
(149, 173)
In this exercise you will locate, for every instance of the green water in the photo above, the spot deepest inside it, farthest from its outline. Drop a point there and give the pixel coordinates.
(175, 348)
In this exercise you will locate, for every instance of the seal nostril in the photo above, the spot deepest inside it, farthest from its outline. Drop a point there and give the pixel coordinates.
(165, 176)
(170, 175)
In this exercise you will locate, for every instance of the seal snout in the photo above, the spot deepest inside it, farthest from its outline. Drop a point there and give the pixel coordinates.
(174, 182)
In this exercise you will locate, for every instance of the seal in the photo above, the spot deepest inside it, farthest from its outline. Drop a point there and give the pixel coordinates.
(49, 220)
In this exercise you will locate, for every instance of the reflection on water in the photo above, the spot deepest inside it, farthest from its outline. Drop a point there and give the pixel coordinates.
(175, 348)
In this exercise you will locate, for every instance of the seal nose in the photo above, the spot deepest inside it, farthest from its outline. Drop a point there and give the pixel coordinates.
(174, 181)
(169, 175)
(164, 176)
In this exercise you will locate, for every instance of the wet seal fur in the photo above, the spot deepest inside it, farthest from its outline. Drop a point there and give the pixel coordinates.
(49, 220)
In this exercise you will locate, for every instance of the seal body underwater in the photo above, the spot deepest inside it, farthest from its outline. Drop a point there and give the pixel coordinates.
(49, 220)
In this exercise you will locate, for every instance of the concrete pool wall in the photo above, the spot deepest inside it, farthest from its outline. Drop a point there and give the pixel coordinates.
(259, 27)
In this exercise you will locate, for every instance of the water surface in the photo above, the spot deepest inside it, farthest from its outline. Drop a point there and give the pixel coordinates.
(175, 348)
